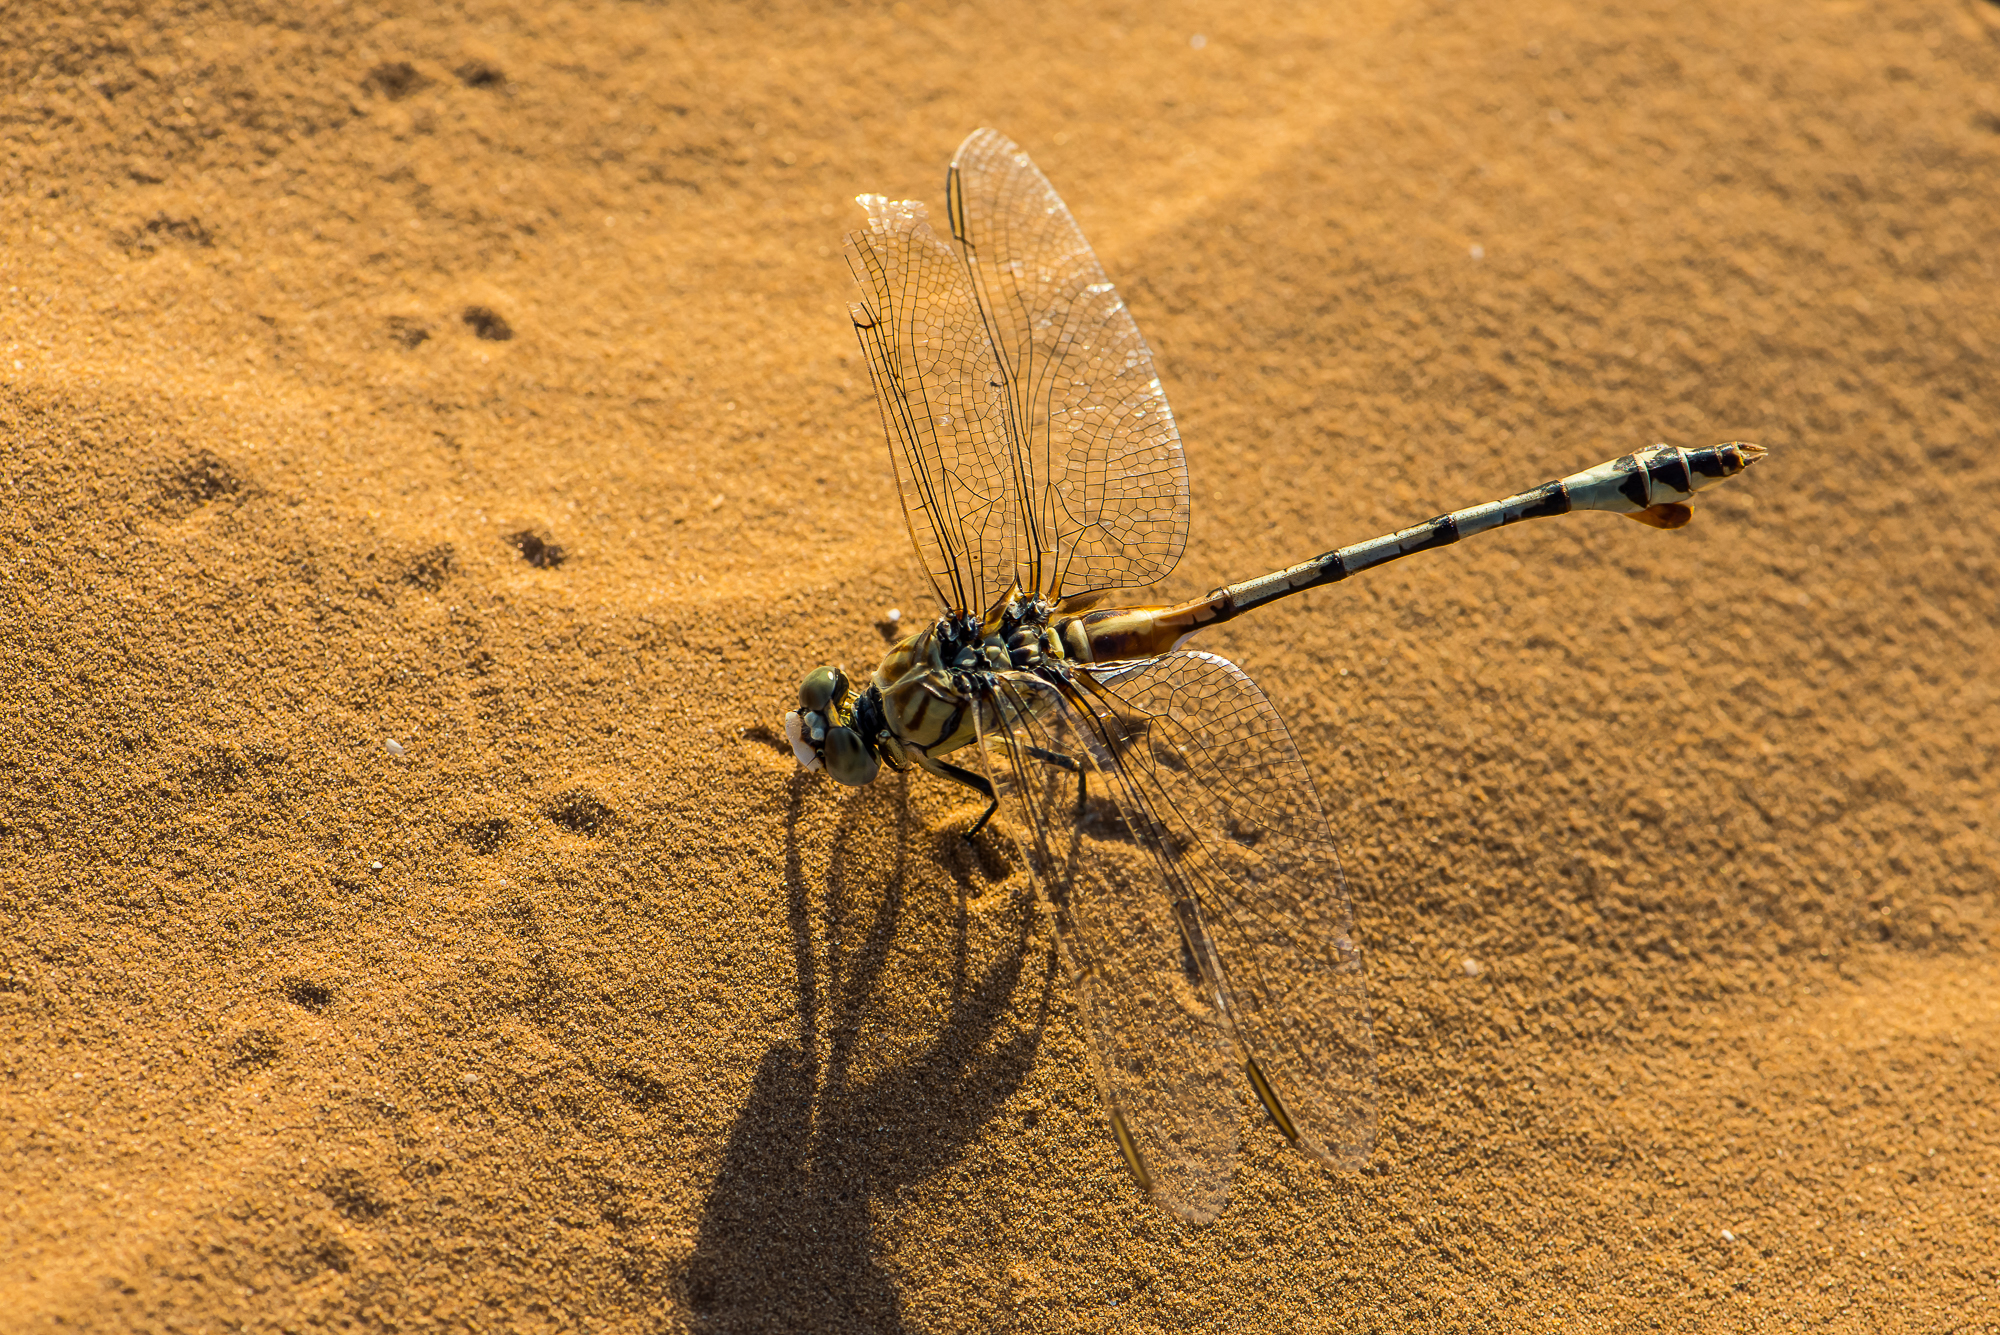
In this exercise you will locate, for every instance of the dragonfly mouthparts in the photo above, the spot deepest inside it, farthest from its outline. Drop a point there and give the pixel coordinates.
(797, 731)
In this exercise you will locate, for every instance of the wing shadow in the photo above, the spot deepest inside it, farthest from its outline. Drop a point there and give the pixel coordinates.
(784, 1241)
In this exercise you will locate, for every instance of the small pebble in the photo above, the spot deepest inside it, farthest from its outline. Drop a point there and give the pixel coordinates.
(895, 615)
(1727, 1236)
(374, 866)
(1473, 968)
(395, 747)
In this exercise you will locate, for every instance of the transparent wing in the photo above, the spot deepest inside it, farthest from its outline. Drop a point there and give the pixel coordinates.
(1163, 1057)
(1222, 919)
(1101, 476)
(1215, 788)
(943, 401)
(1031, 437)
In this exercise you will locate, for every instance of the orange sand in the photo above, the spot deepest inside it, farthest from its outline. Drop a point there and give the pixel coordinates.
(633, 1028)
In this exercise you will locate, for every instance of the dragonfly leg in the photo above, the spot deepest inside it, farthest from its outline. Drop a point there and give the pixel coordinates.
(977, 782)
(1061, 761)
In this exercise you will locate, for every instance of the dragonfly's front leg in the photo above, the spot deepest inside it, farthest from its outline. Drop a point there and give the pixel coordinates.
(979, 783)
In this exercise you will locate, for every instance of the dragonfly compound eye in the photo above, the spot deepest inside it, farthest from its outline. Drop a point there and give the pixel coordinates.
(847, 759)
(822, 688)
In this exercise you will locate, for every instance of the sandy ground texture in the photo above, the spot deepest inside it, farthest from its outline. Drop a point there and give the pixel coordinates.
(479, 377)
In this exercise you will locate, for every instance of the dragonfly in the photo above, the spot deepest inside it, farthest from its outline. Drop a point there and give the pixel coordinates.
(1168, 823)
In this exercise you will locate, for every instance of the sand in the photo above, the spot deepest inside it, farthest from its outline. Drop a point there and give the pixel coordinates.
(587, 1012)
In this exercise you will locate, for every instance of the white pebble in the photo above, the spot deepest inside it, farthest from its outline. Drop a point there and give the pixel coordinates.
(1727, 1236)
(1473, 968)
(395, 747)
(1477, 252)
(895, 615)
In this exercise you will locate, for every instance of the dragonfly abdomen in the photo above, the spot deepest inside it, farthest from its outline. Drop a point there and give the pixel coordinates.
(1651, 486)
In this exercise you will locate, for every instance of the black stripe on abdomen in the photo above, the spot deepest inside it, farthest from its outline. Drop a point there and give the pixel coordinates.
(1551, 498)
(1443, 533)
(1670, 470)
(1711, 461)
(1633, 488)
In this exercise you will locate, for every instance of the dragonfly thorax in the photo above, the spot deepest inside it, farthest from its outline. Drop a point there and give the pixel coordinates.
(923, 699)
(1014, 635)
(937, 687)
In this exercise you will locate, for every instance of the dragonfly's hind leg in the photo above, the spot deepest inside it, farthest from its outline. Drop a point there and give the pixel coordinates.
(1061, 761)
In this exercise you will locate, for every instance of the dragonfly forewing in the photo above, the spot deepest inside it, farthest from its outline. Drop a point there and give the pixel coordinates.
(1032, 438)
(1104, 481)
(1161, 1051)
(943, 401)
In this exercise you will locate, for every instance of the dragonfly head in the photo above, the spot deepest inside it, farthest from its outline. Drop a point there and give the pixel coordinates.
(821, 729)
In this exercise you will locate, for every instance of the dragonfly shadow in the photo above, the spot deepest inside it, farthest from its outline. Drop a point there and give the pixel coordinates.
(831, 1127)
